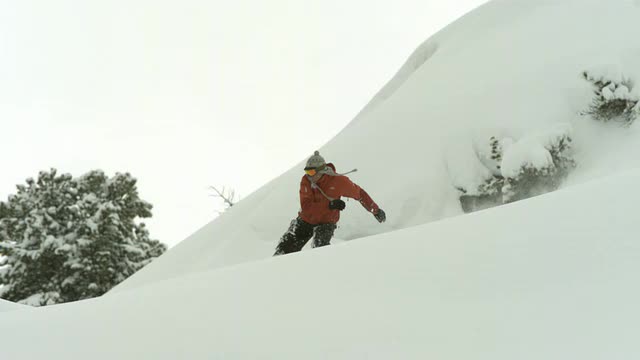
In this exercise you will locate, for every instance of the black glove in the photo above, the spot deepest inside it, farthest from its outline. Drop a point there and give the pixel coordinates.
(337, 204)
(380, 216)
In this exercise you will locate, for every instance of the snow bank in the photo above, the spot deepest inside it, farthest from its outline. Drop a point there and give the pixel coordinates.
(546, 278)
(509, 69)
(8, 306)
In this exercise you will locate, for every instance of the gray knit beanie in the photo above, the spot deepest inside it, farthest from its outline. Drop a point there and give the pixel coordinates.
(315, 162)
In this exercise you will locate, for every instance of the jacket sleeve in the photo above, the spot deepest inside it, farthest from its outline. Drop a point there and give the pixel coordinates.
(351, 190)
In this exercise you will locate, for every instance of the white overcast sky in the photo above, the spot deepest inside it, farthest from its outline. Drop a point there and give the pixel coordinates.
(185, 94)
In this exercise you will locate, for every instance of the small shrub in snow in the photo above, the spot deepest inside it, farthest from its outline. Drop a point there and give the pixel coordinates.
(536, 165)
(559, 146)
(67, 239)
(532, 166)
(615, 99)
(530, 181)
(488, 194)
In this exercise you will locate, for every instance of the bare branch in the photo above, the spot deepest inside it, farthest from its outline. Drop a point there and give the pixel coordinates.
(228, 196)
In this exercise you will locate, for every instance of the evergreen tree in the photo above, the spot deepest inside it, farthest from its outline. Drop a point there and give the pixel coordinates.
(67, 239)
(522, 178)
(615, 98)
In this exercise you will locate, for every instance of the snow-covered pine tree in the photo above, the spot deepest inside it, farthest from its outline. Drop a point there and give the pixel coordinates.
(616, 98)
(531, 180)
(533, 165)
(30, 239)
(537, 164)
(68, 239)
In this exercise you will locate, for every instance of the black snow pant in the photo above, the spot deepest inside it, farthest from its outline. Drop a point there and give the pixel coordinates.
(300, 232)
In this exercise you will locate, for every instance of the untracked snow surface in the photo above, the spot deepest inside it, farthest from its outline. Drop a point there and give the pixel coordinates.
(551, 277)
(8, 306)
(554, 277)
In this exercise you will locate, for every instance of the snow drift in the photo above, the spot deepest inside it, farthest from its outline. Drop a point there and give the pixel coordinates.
(509, 69)
(548, 277)
(8, 306)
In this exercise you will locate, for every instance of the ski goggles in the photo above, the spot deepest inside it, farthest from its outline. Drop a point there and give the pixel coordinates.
(310, 172)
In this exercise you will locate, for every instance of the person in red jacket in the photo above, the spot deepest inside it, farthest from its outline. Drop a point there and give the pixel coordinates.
(320, 192)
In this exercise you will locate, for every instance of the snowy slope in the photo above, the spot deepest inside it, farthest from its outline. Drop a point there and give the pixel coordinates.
(510, 67)
(9, 306)
(553, 277)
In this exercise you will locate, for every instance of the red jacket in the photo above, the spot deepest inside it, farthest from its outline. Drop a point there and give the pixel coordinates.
(315, 206)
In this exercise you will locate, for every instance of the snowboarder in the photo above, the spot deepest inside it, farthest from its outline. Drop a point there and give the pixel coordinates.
(320, 191)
